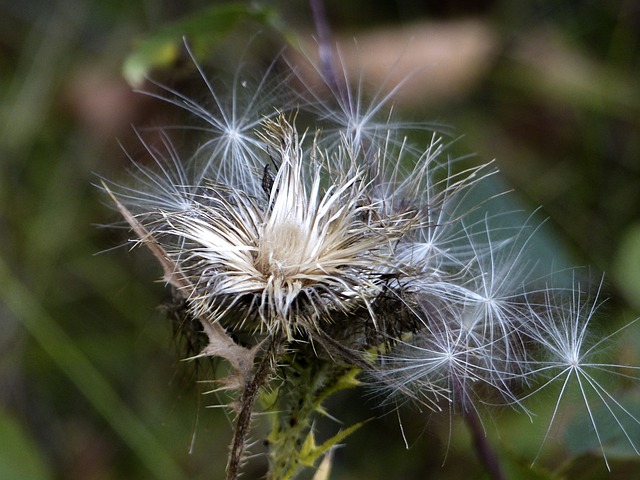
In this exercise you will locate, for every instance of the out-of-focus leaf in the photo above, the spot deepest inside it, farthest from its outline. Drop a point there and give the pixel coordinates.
(25, 306)
(19, 457)
(627, 265)
(514, 467)
(616, 434)
(204, 30)
(547, 65)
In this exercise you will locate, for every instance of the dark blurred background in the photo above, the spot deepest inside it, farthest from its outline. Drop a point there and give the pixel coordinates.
(92, 386)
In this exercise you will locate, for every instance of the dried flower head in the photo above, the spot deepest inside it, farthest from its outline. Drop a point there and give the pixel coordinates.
(288, 259)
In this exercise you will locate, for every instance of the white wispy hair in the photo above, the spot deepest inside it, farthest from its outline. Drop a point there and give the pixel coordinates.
(568, 354)
(470, 305)
(442, 363)
(365, 121)
(230, 119)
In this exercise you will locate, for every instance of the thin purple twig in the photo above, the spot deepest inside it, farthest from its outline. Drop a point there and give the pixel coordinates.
(325, 48)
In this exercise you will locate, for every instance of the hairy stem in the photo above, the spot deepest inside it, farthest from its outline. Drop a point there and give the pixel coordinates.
(249, 395)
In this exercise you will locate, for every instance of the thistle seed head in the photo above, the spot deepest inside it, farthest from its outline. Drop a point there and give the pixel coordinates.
(314, 243)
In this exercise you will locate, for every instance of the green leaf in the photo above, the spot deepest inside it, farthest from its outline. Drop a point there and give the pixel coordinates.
(204, 30)
(614, 433)
(516, 468)
(626, 268)
(19, 457)
(310, 452)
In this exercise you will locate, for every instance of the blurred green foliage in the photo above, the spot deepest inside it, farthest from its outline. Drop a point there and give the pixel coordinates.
(93, 386)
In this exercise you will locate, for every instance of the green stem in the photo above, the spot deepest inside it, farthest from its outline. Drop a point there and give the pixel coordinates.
(292, 444)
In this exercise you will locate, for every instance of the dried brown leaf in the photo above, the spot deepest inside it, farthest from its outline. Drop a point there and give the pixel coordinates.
(220, 344)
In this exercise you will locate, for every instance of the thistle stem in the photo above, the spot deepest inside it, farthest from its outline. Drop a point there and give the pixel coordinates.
(325, 50)
(484, 451)
(249, 395)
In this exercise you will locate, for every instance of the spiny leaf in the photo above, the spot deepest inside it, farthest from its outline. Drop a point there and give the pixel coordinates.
(310, 451)
(324, 469)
